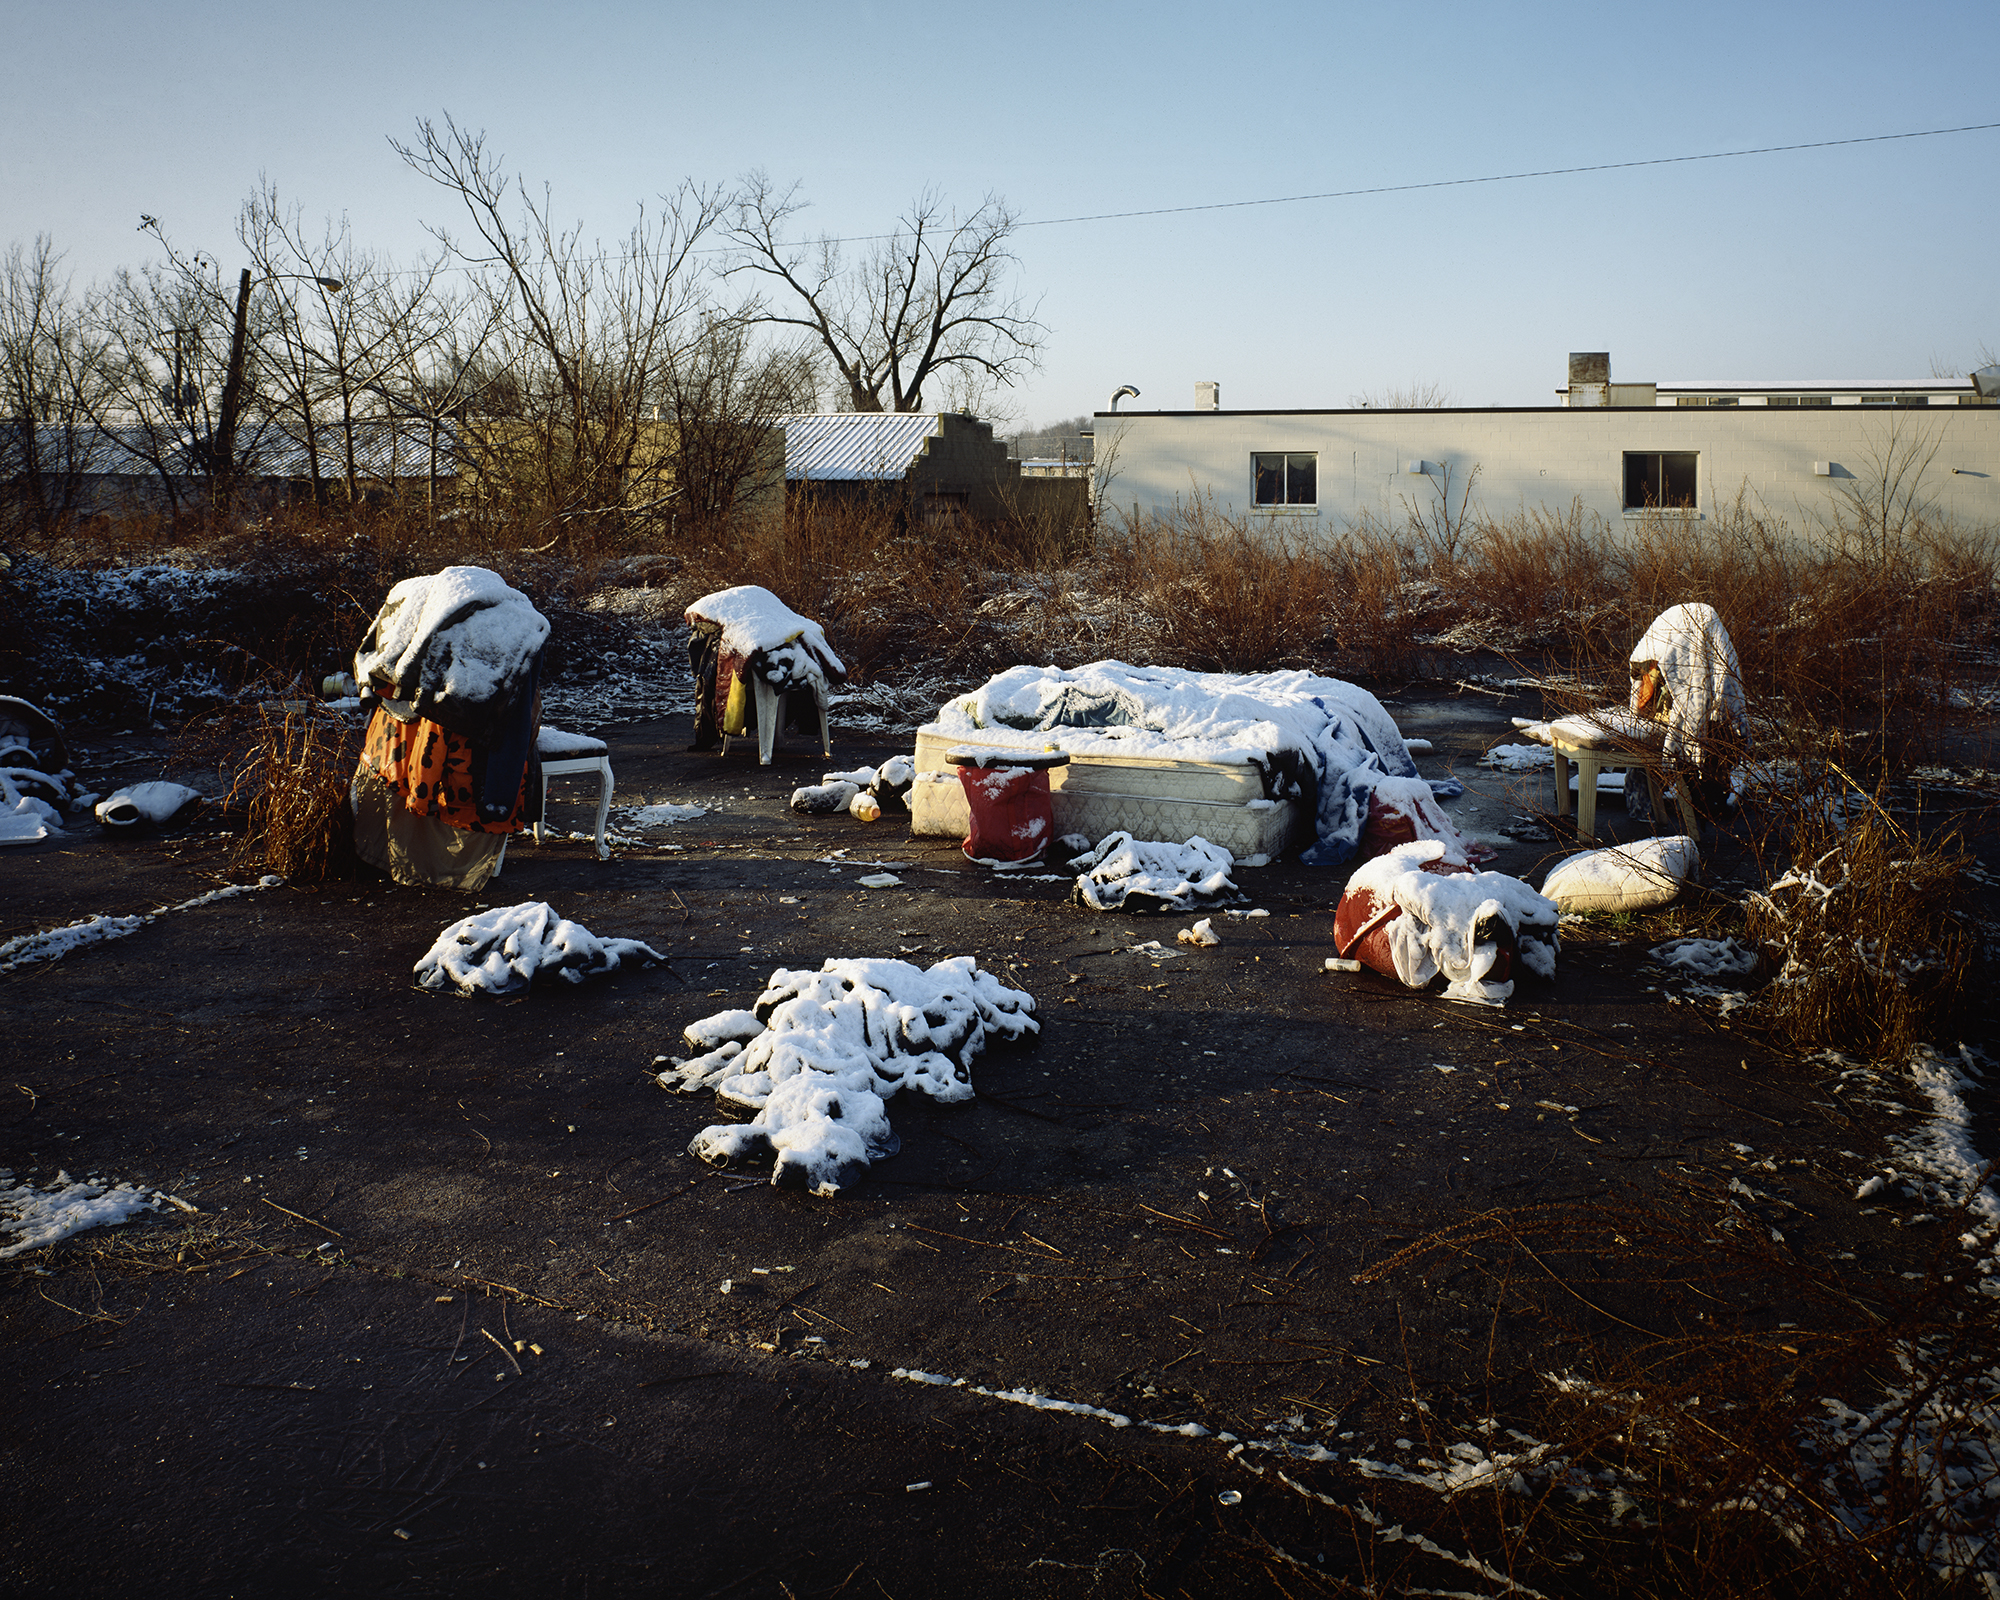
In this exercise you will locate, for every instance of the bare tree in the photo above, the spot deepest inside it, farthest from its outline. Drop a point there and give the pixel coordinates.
(1417, 395)
(724, 396)
(50, 373)
(586, 328)
(928, 304)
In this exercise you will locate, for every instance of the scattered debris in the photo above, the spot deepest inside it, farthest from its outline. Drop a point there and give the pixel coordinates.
(879, 880)
(1201, 934)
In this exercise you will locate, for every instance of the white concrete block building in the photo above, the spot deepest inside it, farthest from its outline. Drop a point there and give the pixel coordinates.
(1621, 449)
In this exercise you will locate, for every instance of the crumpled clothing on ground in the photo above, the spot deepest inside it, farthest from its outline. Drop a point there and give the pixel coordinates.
(823, 1051)
(1127, 874)
(502, 951)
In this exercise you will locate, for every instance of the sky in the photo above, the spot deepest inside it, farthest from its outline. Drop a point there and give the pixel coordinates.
(1878, 260)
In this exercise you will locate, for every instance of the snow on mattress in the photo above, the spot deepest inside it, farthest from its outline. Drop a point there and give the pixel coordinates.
(754, 619)
(823, 1050)
(1302, 735)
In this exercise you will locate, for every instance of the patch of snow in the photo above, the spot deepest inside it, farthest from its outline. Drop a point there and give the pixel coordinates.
(1707, 958)
(659, 816)
(52, 944)
(38, 1217)
(1519, 757)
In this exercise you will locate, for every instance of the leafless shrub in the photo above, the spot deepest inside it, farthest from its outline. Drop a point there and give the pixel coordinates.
(292, 790)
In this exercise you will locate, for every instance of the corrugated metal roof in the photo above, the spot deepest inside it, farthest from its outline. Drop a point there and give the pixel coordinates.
(855, 447)
(383, 449)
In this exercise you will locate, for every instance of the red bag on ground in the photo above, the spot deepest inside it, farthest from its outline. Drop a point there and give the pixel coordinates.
(1012, 817)
(1361, 927)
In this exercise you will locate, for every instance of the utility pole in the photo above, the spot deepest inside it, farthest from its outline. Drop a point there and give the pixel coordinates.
(222, 450)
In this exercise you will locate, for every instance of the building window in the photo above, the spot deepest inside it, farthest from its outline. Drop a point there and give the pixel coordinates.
(1895, 399)
(1286, 480)
(1708, 400)
(1660, 480)
(1801, 399)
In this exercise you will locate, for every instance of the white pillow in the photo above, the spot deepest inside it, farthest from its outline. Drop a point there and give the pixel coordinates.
(1625, 877)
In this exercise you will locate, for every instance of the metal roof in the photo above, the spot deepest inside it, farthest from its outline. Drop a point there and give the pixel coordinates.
(855, 447)
(383, 449)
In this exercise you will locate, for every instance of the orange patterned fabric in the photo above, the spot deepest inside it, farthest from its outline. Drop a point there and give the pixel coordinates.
(430, 768)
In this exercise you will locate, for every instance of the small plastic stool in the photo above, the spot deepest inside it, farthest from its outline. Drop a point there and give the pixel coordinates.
(1590, 760)
(565, 755)
(1007, 792)
(771, 711)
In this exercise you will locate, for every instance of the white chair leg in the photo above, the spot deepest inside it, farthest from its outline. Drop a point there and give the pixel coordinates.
(500, 860)
(603, 807)
(825, 728)
(769, 704)
(1562, 783)
(542, 815)
(1586, 796)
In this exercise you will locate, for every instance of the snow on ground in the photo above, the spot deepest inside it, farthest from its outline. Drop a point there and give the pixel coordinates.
(1519, 757)
(824, 1050)
(52, 944)
(503, 950)
(1127, 874)
(38, 1217)
(659, 816)
(1707, 958)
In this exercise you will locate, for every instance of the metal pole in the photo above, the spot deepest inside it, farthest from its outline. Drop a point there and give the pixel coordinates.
(222, 466)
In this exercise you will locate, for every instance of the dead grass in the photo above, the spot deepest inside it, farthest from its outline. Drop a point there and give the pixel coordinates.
(1691, 1448)
(293, 791)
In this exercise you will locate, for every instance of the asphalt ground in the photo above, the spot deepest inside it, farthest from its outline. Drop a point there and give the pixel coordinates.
(450, 1315)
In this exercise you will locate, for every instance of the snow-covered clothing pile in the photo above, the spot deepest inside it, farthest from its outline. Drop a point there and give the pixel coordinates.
(504, 950)
(742, 637)
(1321, 741)
(867, 792)
(456, 648)
(1419, 911)
(823, 1050)
(1127, 874)
(452, 665)
(1703, 699)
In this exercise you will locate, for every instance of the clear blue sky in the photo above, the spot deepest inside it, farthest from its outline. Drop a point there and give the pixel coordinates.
(1864, 261)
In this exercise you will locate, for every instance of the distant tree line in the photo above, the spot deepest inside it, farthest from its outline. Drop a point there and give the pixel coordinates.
(554, 378)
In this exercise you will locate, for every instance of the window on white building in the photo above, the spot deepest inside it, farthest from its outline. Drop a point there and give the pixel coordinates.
(1290, 479)
(1660, 480)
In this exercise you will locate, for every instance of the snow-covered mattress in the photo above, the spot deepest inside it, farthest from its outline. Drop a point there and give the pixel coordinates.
(1154, 798)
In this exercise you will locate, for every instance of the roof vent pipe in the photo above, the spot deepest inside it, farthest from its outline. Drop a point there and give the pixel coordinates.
(1120, 393)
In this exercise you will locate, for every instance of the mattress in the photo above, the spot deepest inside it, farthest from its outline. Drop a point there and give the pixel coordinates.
(1153, 798)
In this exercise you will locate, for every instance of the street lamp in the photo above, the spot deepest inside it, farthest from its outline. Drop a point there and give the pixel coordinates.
(222, 464)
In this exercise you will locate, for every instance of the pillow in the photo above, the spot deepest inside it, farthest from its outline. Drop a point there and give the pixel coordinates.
(1626, 877)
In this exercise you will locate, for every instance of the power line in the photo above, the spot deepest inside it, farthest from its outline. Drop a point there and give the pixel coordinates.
(1497, 177)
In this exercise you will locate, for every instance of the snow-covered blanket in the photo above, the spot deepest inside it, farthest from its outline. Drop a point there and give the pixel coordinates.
(504, 950)
(1697, 662)
(1467, 925)
(158, 803)
(1127, 874)
(754, 619)
(453, 646)
(823, 1050)
(1319, 740)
